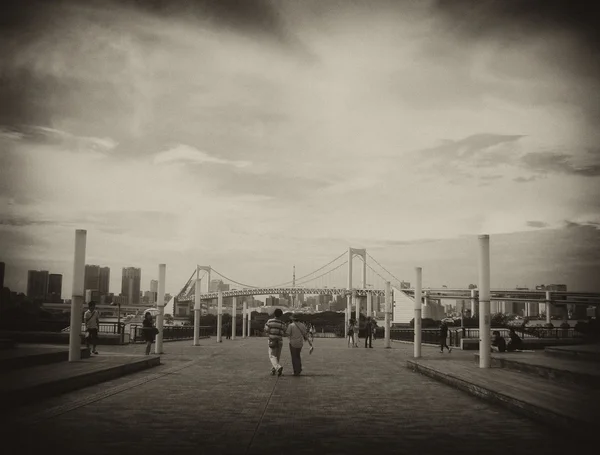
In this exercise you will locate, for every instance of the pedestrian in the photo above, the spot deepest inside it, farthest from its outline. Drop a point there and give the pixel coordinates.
(498, 343)
(514, 343)
(228, 330)
(92, 323)
(369, 333)
(443, 336)
(275, 329)
(149, 331)
(297, 334)
(356, 331)
(351, 332)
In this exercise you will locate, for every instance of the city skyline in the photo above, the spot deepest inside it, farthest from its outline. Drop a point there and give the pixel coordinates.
(214, 136)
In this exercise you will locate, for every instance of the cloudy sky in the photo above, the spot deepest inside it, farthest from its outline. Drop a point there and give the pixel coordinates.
(255, 135)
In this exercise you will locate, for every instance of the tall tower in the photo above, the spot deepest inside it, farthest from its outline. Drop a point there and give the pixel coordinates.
(294, 285)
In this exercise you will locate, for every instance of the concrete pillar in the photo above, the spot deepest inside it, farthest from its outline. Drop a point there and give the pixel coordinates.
(77, 296)
(244, 312)
(418, 310)
(249, 324)
(219, 315)
(484, 302)
(349, 311)
(197, 308)
(357, 307)
(160, 306)
(548, 307)
(369, 304)
(233, 314)
(388, 310)
(364, 271)
(473, 302)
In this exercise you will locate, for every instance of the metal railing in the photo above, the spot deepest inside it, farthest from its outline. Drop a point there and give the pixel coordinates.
(527, 332)
(170, 332)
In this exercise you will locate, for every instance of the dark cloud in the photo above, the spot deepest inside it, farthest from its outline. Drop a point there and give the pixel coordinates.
(580, 224)
(515, 23)
(526, 179)
(558, 163)
(537, 224)
(468, 147)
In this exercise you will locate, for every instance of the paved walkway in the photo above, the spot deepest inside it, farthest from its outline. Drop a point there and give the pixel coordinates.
(221, 399)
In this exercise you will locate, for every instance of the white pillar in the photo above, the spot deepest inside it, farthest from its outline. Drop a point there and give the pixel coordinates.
(348, 311)
(233, 312)
(160, 305)
(244, 312)
(357, 307)
(548, 307)
(77, 296)
(473, 302)
(364, 274)
(484, 302)
(219, 315)
(418, 310)
(249, 324)
(197, 307)
(388, 309)
(369, 304)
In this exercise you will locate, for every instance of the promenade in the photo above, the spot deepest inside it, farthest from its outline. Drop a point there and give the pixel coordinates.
(221, 399)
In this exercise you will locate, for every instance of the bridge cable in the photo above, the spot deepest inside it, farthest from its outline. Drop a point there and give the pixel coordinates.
(384, 268)
(186, 284)
(233, 281)
(311, 273)
(323, 274)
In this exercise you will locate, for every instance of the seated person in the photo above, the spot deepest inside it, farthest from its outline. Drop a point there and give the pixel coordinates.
(515, 343)
(498, 343)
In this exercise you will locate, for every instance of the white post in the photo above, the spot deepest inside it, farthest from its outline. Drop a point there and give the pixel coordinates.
(77, 296)
(233, 311)
(388, 308)
(484, 302)
(160, 305)
(219, 316)
(548, 307)
(369, 304)
(244, 311)
(364, 274)
(249, 325)
(418, 310)
(473, 302)
(197, 307)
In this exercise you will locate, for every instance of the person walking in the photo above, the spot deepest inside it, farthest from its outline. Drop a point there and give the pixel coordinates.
(443, 337)
(297, 334)
(369, 333)
(351, 332)
(149, 332)
(92, 323)
(275, 330)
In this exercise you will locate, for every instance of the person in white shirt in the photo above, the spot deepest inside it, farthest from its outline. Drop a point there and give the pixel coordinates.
(92, 323)
(297, 335)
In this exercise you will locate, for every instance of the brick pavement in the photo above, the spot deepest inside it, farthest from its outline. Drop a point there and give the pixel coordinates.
(220, 398)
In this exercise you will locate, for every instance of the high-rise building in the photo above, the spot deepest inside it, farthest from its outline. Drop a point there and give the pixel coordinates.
(2, 265)
(37, 284)
(91, 277)
(104, 281)
(55, 287)
(130, 284)
(217, 285)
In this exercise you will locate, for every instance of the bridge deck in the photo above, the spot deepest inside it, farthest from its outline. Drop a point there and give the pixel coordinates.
(220, 398)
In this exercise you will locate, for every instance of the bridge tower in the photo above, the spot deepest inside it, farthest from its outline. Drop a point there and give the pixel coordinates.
(352, 296)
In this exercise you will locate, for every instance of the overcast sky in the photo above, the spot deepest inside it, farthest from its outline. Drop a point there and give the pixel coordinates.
(255, 135)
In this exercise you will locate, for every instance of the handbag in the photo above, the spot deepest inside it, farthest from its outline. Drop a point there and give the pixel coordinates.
(155, 331)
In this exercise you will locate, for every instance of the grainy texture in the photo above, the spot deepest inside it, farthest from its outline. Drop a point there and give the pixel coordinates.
(347, 401)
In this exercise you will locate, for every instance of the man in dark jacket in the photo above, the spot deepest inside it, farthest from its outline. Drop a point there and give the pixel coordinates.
(443, 337)
(369, 332)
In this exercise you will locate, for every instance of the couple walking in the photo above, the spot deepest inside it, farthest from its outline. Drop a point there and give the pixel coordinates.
(296, 332)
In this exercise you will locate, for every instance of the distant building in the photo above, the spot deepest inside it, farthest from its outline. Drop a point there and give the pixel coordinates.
(97, 278)
(217, 285)
(54, 288)
(130, 284)
(104, 281)
(37, 284)
(2, 266)
(552, 287)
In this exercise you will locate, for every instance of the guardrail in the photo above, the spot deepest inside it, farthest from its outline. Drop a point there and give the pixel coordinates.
(170, 332)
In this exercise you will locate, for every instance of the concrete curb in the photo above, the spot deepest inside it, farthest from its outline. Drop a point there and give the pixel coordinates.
(516, 405)
(39, 392)
(550, 373)
(42, 358)
(572, 354)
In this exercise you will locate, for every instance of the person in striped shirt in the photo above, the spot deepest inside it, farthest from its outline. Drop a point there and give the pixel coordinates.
(275, 329)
